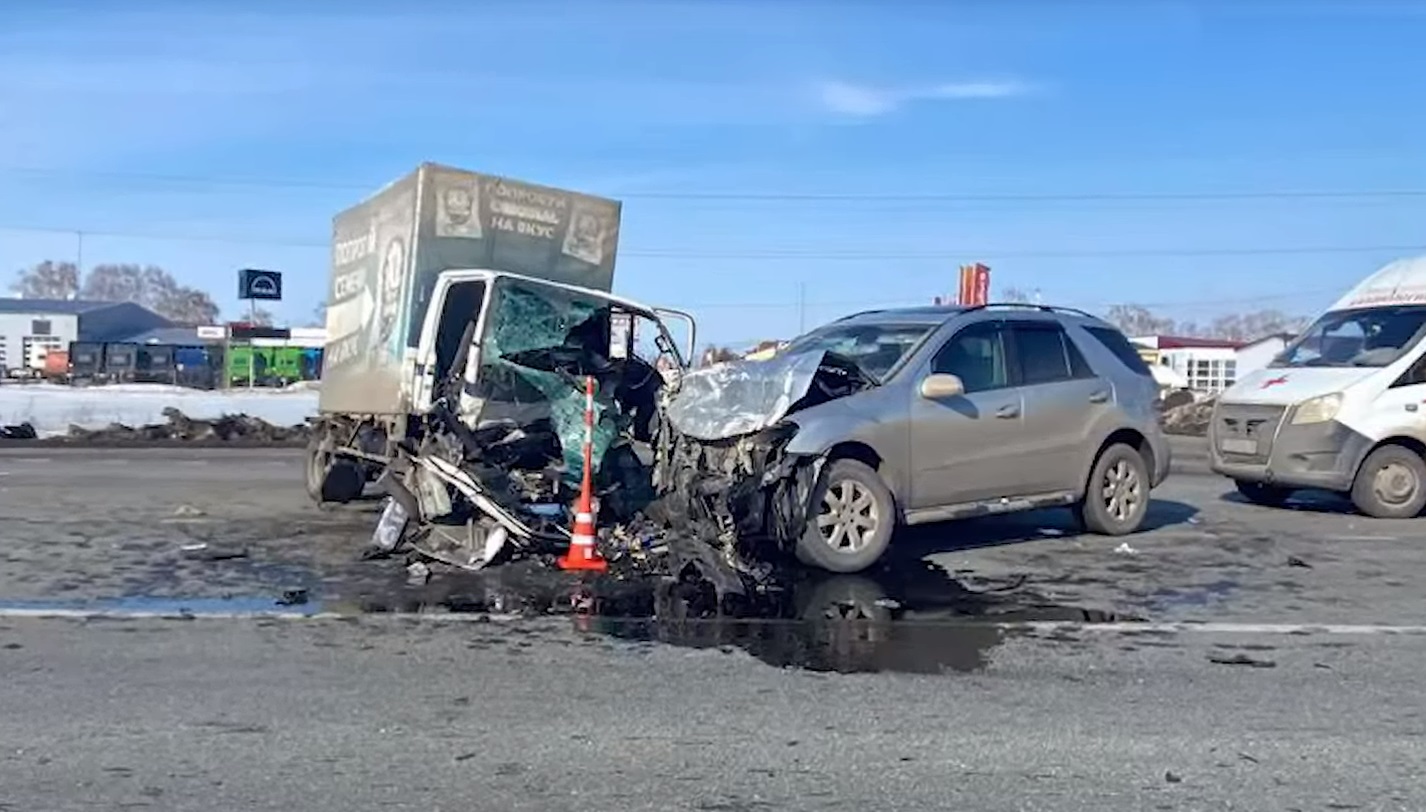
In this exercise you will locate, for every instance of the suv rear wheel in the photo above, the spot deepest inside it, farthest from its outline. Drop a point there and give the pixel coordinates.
(853, 516)
(1116, 498)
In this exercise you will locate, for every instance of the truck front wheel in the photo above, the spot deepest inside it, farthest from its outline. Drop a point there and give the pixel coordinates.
(319, 461)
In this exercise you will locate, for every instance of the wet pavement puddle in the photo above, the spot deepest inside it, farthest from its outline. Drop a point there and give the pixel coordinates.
(139, 606)
(913, 619)
(1192, 597)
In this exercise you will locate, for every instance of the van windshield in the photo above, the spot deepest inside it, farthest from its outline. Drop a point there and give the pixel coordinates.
(1368, 337)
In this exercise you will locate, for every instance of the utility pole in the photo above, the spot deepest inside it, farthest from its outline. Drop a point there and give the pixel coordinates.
(79, 251)
(801, 308)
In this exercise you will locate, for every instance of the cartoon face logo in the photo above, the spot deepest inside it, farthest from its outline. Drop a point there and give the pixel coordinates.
(460, 205)
(393, 266)
(585, 238)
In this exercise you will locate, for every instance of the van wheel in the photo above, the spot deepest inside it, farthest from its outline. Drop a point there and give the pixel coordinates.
(1116, 498)
(1391, 484)
(852, 518)
(1261, 493)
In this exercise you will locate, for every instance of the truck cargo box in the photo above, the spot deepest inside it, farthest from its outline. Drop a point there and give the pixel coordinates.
(388, 251)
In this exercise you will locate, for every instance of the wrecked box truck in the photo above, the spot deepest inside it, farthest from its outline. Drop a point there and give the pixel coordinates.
(434, 278)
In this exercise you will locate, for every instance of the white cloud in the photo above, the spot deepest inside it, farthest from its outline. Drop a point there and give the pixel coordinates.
(865, 101)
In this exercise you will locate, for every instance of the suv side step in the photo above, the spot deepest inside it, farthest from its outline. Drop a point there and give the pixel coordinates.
(991, 507)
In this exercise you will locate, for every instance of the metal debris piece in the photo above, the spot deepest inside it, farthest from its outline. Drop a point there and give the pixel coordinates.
(293, 597)
(1241, 659)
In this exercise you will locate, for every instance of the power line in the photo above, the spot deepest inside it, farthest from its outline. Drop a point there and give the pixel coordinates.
(852, 255)
(863, 304)
(776, 196)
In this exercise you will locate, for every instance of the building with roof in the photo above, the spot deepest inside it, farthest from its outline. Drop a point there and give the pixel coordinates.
(30, 328)
(1209, 365)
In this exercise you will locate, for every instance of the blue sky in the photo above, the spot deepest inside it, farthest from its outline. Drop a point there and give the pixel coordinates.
(765, 151)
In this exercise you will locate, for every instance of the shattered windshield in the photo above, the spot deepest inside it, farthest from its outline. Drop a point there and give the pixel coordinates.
(1369, 337)
(876, 348)
(540, 343)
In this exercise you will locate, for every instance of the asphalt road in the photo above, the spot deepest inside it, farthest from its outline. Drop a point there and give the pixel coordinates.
(415, 713)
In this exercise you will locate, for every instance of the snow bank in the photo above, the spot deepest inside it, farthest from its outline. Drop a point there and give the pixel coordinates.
(53, 409)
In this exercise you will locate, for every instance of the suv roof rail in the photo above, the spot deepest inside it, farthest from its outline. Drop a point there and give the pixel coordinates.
(1040, 307)
(856, 314)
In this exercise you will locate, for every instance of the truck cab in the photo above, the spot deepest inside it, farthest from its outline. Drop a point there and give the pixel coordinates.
(497, 347)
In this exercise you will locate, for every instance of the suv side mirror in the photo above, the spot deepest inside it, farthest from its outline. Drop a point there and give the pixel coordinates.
(940, 385)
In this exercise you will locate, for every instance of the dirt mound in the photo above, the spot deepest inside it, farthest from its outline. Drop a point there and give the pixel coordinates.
(1190, 418)
(231, 430)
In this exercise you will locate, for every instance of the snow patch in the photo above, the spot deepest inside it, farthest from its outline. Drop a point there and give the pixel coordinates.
(53, 409)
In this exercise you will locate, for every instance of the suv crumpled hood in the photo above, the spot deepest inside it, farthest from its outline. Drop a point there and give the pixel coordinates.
(742, 397)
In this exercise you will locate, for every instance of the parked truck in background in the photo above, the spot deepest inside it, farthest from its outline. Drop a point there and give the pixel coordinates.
(415, 270)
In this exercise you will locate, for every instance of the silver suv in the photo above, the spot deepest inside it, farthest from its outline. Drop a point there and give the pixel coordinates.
(976, 411)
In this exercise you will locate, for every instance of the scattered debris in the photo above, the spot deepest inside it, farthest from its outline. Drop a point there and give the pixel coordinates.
(1294, 561)
(418, 573)
(1189, 419)
(222, 554)
(238, 429)
(1125, 549)
(188, 510)
(691, 474)
(23, 431)
(1241, 659)
(293, 597)
(1173, 777)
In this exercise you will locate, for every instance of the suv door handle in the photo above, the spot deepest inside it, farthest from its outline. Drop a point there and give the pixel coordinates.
(1007, 412)
(1099, 397)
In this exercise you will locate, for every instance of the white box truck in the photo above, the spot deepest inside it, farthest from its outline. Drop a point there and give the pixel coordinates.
(415, 271)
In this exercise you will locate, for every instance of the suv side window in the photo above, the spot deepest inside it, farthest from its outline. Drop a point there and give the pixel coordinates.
(1115, 342)
(1047, 355)
(977, 356)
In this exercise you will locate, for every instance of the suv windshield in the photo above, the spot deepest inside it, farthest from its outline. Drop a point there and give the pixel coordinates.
(876, 348)
(1370, 337)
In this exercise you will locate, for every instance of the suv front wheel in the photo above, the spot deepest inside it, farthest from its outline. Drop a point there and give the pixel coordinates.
(1116, 498)
(853, 516)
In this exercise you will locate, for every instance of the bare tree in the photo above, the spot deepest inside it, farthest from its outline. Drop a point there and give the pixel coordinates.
(716, 355)
(1252, 326)
(319, 315)
(260, 316)
(1136, 320)
(1014, 295)
(153, 288)
(48, 280)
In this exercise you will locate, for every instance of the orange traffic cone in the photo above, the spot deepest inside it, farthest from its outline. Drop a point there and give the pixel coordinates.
(583, 555)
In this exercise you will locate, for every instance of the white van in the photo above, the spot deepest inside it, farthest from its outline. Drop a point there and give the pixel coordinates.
(1342, 408)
